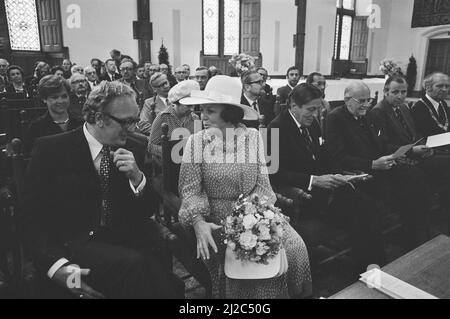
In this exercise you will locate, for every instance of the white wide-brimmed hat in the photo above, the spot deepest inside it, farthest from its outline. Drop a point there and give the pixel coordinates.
(222, 89)
(182, 90)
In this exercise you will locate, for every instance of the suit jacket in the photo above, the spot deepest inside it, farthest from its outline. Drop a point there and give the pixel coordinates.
(283, 93)
(423, 120)
(142, 89)
(44, 126)
(105, 77)
(394, 133)
(351, 146)
(297, 163)
(146, 118)
(266, 108)
(62, 197)
(76, 106)
(27, 94)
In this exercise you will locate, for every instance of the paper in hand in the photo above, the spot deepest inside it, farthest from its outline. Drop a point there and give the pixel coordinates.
(402, 151)
(438, 140)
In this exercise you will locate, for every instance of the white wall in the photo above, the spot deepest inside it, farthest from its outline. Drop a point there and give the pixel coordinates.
(396, 39)
(284, 12)
(105, 25)
(162, 16)
(321, 15)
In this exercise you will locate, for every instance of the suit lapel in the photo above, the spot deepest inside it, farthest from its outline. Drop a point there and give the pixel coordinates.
(295, 133)
(396, 122)
(430, 106)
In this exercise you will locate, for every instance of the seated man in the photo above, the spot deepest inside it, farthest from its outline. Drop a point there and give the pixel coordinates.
(111, 72)
(54, 92)
(155, 105)
(302, 166)
(394, 118)
(176, 115)
(431, 113)
(355, 143)
(86, 203)
(293, 77)
(79, 94)
(253, 91)
(319, 81)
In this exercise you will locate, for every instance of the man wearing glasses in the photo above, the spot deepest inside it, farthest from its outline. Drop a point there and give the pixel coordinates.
(319, 81)
(155, 105)
(253, 90)
(356, 144)
(87, 204)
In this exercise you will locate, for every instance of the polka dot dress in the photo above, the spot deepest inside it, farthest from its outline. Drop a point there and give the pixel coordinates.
(213, 175)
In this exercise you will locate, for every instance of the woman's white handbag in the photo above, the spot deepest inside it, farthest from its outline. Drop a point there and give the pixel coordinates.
(238, 269)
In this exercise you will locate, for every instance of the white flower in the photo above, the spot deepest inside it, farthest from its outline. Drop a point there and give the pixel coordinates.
(230, 220)
(250, 209)
(247, 240)
(261, 249)
(249, 221)
(264, 232)
(269, 214)
(232, 245)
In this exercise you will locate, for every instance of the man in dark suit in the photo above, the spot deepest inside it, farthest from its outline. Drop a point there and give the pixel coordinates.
(140, 87)
(355, 143)
(431, 113)
(87, 201)
(293, 77)
(394, 119)
(79, 94)
(54, 92)
(111, 71)
(253, 91)
(302, 165)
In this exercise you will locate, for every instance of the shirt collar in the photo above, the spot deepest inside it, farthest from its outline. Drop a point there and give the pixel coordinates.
(94, 146)
(295, 120)
(292, 88)
(250, 101)
(433, 101)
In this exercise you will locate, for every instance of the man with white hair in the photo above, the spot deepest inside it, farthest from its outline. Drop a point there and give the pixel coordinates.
(4, 64)
(356, 144)
(79, 94)
(91, 76)
(77, 69)
(431, 113)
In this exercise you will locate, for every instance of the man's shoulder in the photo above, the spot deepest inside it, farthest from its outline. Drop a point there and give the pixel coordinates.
(284, 89)
(419, 105)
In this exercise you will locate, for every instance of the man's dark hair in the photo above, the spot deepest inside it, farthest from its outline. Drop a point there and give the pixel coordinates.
(310, 78)
(56, 68)
(116, 52)
(232, 114)
(109, 60)
(51, 84)
(303, 94)
(395, 78)
(204, 68)
(292, 68)
(246, 76)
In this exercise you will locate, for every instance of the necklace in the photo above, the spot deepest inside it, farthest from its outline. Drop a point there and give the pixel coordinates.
(435, 119)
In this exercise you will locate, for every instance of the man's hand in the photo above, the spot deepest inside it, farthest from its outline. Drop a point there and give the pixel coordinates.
(384, 163)
(329, 182)
(125, 162)
(422, 151)
(203, 232)
(64, 278)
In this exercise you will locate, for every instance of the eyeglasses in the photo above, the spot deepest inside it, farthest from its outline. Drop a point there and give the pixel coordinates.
(363, 101)
(125, 123)
(260, 82)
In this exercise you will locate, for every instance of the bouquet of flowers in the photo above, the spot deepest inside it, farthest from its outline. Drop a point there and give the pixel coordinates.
(389, 67)
(254, 230)
(242, 62)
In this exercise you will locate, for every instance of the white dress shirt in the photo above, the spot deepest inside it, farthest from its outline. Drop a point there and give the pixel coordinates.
(95, 148)
(434, 102)
(252, 102)
(300, 128)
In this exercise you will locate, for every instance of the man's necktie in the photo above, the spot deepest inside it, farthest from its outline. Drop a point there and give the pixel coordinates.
(81, 100)
(105, 177)
(308, 141)
(400, 117)
(442, 114)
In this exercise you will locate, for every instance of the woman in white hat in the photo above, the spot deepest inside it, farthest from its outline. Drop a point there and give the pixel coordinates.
(219, 164)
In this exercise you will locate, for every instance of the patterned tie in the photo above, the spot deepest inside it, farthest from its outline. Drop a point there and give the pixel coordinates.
(105, 175)
(442, 114)
(400, 117)
(308, 141)
(255, 106)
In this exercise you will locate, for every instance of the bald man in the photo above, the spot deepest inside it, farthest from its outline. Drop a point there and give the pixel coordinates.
(356, 144)
(431, 113)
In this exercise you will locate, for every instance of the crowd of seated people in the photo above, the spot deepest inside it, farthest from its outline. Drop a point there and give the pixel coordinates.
(341, 158)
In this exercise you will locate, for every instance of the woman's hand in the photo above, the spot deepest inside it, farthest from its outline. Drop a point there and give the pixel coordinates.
(203, 232)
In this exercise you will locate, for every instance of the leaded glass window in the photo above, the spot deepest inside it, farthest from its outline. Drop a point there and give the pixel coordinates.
(346, 37)
(23, 25)
(211, 27)
(232, 26)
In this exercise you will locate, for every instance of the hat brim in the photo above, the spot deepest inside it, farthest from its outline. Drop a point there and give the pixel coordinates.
(249, 113)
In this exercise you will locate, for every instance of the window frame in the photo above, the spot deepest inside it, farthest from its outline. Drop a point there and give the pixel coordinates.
(340, 13)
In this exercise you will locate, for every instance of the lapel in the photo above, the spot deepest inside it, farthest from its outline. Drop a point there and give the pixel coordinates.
(430, 106)
(294, 133)
(244, 101)
(409, 121)
(395, 121)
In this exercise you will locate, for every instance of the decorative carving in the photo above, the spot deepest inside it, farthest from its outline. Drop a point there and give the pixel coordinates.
(430, 13)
